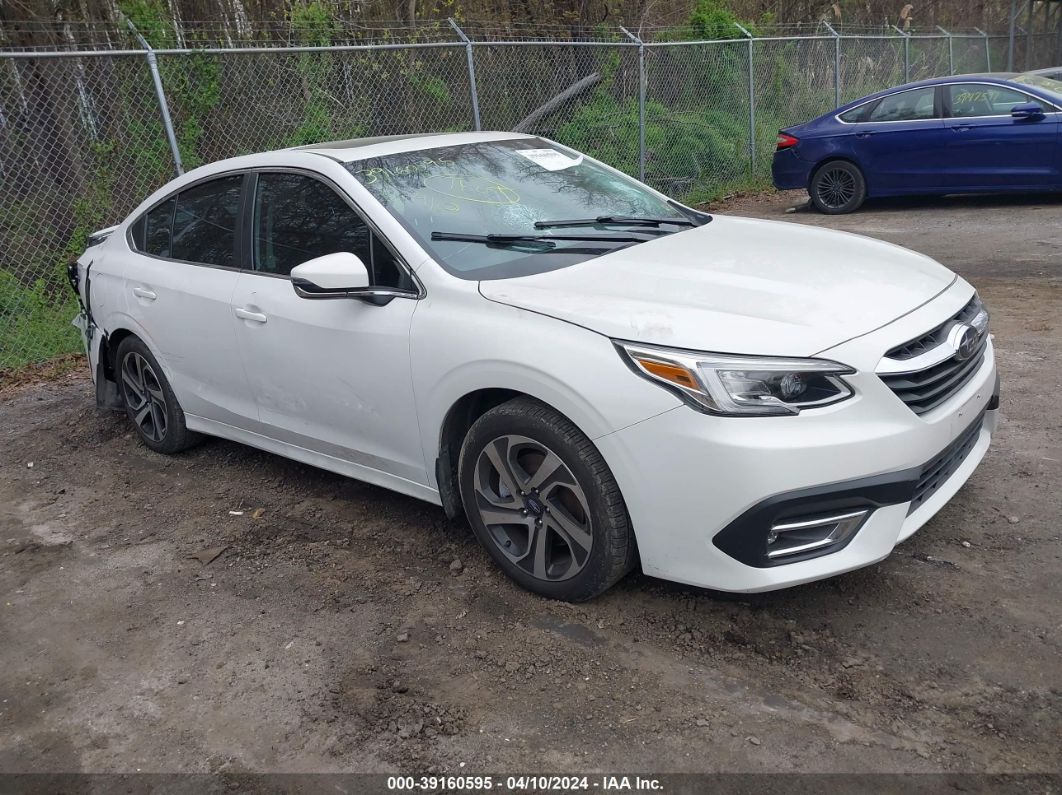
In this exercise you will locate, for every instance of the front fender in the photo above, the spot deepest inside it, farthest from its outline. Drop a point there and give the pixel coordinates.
(487, 345)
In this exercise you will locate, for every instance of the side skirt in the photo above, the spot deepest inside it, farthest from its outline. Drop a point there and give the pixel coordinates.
(320, 460)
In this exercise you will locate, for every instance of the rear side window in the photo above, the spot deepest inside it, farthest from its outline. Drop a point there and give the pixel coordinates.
(204, 222)
(151, 232)
(969, 100)
(157, 227)
(856, 114)
(906, 106)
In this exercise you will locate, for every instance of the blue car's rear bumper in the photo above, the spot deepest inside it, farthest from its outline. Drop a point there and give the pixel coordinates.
(789, 171)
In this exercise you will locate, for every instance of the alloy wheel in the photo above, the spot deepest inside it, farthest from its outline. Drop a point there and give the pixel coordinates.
(144, 396)
(534, 509)
(836, 187)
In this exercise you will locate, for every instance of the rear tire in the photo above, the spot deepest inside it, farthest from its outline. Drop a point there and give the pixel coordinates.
(837, 187)
(543, 502)
(149, 400)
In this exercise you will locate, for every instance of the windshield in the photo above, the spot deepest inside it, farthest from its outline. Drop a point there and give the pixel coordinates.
(1052, 88)
(502, 188)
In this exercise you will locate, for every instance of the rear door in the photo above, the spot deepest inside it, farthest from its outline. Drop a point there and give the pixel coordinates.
(900, 143)
(180, 284)
(989, 149)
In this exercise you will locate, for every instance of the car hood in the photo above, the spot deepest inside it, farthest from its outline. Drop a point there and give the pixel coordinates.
(736, 285)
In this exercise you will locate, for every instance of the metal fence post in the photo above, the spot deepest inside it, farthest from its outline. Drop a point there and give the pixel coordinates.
(906, 54)
(752, 105)
(1012, 21)
(641, 101)
(951, 50)
(1029, 37)
(836, 64)
(1058, 35)
(471, 73)
(988, 50)
(160, 94)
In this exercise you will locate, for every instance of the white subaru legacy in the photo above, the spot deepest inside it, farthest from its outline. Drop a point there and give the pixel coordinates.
(597, 376)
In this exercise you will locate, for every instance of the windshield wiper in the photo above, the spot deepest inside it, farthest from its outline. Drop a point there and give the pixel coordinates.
(617, 220)
(544, 241)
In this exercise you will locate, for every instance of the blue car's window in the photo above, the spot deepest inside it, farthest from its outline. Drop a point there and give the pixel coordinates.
(905, 106)
(856, 115)
(973, 99)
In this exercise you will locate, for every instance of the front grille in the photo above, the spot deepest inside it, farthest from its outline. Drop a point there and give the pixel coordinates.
(924, 390)
(931, 339)
(936, 473)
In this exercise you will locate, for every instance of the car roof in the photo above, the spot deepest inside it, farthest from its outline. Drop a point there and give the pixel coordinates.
(996, 77)
(362, 148)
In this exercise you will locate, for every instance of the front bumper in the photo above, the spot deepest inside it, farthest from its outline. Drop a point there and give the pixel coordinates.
(703, 490)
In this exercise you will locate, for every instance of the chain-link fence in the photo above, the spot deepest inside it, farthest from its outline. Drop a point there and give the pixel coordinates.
(85, 134)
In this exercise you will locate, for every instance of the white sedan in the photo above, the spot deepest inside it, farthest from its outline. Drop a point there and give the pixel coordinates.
(599, 377)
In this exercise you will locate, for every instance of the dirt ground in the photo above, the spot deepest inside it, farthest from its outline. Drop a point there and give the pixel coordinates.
(345, 628)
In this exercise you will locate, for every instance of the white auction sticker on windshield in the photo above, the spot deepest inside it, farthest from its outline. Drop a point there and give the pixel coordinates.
(550, 159)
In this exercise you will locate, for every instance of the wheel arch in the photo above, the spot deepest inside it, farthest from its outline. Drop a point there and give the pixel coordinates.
(109, 350)
(461, 415)
(120, 327)
(455, 425)
(834, 157)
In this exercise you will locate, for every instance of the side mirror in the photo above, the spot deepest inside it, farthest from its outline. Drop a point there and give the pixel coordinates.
(339, 275)
(1027, 110)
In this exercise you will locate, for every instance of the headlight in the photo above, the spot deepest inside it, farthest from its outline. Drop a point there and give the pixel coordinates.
(740, 385)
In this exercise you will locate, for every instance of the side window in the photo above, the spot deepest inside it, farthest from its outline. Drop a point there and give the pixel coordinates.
(297, 218)
(157, 225)
(856, 114)
(204, 223)
(905, 106)
(151, 232)
(969, 100)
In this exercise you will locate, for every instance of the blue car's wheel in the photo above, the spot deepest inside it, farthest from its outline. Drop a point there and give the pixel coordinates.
(837, 187)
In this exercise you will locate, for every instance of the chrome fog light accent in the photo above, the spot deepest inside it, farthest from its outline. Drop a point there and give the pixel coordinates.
(793, 537)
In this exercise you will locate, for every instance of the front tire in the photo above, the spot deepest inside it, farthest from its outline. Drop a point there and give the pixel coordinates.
(837, 187)
(541, 499)
(149, 400)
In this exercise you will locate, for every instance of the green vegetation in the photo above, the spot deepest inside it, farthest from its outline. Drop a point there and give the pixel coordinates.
(34, 322)
(712, 20)
(696, 113)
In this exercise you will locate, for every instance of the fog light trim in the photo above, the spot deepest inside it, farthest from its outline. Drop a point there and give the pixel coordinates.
(806, 535)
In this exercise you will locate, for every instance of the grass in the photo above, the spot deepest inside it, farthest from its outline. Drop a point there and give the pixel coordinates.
(35, 323)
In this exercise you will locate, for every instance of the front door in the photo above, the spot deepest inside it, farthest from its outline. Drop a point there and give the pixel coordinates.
(332, 376)
(989, 149)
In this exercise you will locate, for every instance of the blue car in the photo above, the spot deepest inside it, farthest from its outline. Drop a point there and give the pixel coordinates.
(966, 134)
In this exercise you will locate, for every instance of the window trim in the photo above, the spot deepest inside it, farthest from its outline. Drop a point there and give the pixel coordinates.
(247, 226)
(175, 194)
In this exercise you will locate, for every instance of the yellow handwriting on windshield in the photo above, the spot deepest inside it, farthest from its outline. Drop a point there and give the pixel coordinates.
(482, 190)
(370, 176)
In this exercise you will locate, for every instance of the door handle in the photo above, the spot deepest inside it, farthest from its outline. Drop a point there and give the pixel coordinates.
(145, 293)
(247, 314)
(963, 128)
(864, 134)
